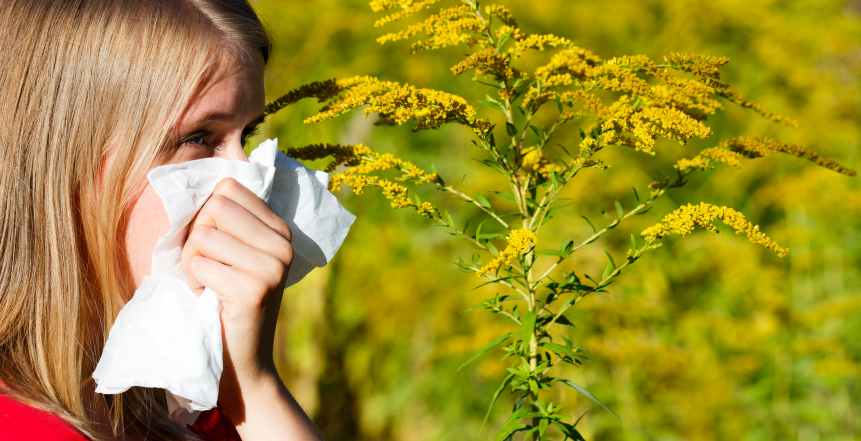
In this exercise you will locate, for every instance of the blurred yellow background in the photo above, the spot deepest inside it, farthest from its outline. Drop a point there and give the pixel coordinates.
(708, 338)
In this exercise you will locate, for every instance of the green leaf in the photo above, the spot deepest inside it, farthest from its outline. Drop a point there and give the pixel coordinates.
(590, 224)
(607, 216)
(542, 426)
(552, 252)
(493, 400)
(483, 201)
(492, 248)
(569, 431)
(607, 271)
(558, 106)
(492, 105)
(560, 350)
(618, 208)
(493, 236)
(510, 129)
(449, 219)
(643, 212)
(583, 391)
(512, 424)
(633, 243)
(611, 259)
(487, 348)
(527, 326)
(495, 86)
(506, 196)
(637, 196)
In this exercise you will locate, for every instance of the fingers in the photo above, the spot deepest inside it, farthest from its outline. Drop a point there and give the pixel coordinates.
(230, 217)
(223, 279)
(238, 193)
(232, 253)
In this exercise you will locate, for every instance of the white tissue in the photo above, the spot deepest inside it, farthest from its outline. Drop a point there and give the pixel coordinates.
(168, 337)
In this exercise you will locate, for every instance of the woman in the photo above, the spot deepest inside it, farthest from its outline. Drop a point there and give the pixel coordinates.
(94, 94)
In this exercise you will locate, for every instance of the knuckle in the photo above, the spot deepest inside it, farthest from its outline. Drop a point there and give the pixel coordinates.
(273, 268)
(196, 264)
(218, 204)
(200, 233)
(228, 186)
(259, 288)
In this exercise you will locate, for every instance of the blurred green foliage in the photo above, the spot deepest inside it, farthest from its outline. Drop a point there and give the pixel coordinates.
(708, 339)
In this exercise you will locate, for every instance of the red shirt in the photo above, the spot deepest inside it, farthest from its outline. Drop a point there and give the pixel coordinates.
(20, 422)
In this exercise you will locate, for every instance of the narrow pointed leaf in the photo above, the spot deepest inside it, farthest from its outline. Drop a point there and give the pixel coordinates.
(618, 208)
(487, 348)
(527, 325)
(493, 400)
(590, 224)
(583, 391)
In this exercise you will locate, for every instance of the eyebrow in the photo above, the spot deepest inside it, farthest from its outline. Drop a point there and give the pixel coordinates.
(224, 116)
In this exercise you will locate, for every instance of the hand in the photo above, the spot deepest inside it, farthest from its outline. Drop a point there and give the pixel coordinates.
(241, 250)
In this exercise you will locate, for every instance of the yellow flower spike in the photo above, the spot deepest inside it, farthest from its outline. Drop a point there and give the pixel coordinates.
(535, 163)
(520, 242)
(762, 146)
(683, 220)
(488, 62)
(538, 42)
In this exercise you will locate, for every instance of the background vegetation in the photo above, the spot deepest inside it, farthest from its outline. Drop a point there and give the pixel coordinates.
(708, 338)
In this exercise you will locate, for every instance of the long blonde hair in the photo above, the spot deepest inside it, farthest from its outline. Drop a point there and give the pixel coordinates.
(79, 77)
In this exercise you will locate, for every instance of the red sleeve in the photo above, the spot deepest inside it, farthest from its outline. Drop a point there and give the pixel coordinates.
(20, 422)
(214, 425)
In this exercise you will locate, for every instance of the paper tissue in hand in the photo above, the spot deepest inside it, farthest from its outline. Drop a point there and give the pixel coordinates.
(168, 337)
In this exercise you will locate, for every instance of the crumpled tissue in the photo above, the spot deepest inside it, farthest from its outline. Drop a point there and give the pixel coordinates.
(168, 337)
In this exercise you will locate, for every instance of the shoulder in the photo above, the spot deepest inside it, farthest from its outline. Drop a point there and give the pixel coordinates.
(19, 422)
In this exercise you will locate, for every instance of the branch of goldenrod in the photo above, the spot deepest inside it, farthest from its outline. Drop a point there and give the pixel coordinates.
(601, 232)
(449, 189)
(504, 282)
(602, 283)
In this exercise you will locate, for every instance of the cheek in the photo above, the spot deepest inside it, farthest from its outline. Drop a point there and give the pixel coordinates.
(147, 221)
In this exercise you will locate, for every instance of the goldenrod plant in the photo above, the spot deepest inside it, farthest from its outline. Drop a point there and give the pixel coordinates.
(628, 102)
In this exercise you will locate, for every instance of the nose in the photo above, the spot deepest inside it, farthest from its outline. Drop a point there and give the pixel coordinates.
(232, 151)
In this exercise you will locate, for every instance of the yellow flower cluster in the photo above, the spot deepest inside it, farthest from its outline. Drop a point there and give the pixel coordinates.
(762, 146)
(701, 161)
(487, 61)
(409, 7)
(688, 95)
(364, 161)
(449, 27)
(592, 105)
(360, 90)
(538, 42)
(647, 124)
(520, 242)
(704, 67)
(683, 220)
(535, 164)
(503, 14)
(398, 103)
(430, 108)
(574, 62)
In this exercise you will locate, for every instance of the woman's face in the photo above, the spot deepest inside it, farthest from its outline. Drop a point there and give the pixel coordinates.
(223, 113)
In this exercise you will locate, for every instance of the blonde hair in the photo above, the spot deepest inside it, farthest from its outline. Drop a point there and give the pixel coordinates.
(80, 77)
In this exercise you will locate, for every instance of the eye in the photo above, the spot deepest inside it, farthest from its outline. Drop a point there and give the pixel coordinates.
(196, 140)
(249, 133)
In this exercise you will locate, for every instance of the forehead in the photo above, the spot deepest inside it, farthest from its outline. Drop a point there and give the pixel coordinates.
(234, 88)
